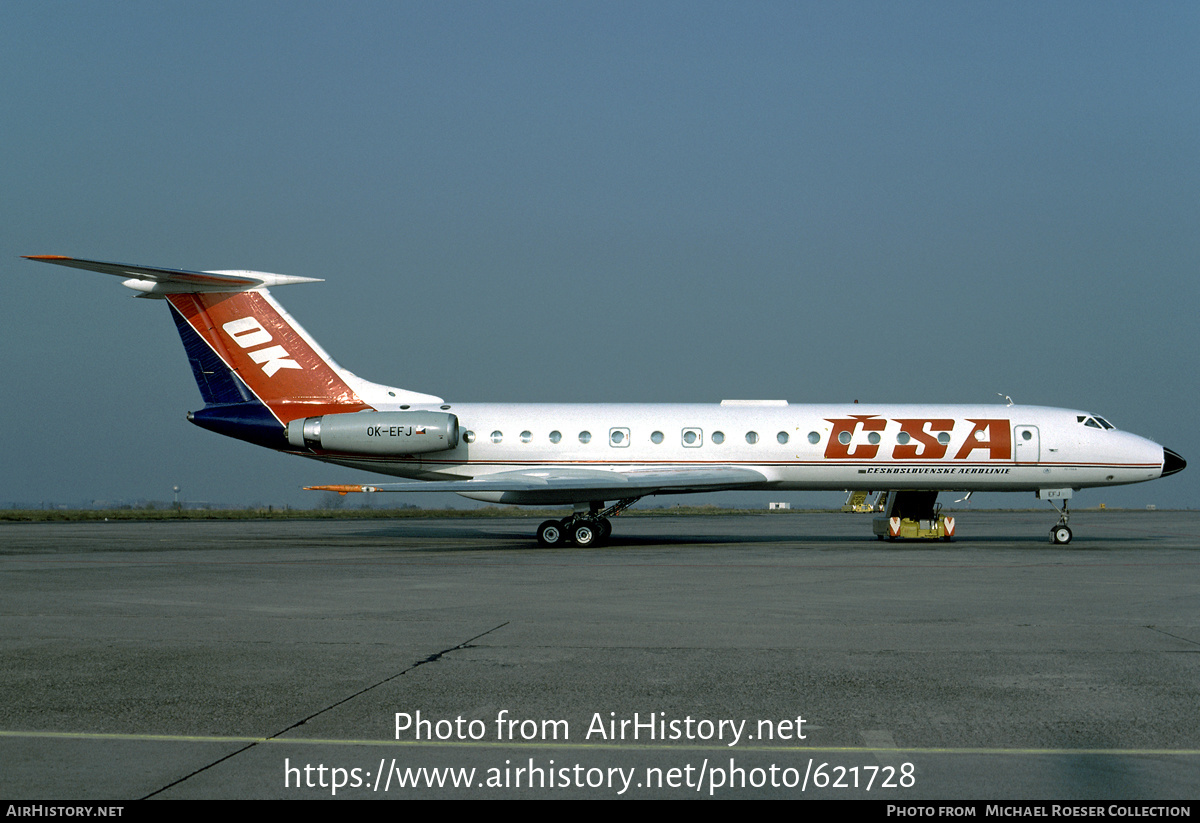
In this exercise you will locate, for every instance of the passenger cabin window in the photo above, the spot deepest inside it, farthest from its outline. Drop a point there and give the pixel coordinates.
(718, 437)
(751, 437)
(469, 436)
(692, 438)
(526, 436)
(782, 437)
(497, 437)
(585, 437)
(618, 438)
(656, 438)
(555, 436)
(814, 438)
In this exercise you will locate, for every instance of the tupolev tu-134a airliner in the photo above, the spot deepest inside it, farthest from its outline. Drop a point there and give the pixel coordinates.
(266, 381)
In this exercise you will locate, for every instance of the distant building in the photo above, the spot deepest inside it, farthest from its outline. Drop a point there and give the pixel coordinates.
(774, 506)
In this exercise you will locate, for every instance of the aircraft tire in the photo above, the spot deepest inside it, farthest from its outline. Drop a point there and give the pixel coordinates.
(586, 534)
(1060, 535)
(551, 533)
(605, 529)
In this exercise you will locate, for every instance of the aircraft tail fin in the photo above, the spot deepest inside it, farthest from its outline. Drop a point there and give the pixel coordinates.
(256, 368)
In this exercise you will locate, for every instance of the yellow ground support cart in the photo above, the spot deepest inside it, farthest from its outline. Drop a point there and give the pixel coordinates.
(913, 516)
(857, 501)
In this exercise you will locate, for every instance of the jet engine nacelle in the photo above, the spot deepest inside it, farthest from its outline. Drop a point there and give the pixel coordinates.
(371, 432)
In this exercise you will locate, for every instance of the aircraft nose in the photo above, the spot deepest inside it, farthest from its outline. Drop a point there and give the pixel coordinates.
(1172, 463)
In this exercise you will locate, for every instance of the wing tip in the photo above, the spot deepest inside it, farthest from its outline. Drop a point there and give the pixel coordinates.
(46, 257)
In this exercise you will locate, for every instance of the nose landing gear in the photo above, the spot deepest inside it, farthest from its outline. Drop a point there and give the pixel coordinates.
(1061, 533)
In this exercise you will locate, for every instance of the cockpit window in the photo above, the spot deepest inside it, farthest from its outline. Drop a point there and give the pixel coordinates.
(1094, 422)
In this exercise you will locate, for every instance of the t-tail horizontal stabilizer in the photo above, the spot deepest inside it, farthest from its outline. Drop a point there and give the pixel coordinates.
(153, 281)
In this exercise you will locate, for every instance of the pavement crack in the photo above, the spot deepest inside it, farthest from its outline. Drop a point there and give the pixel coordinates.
(1168, 634)
(433, 658)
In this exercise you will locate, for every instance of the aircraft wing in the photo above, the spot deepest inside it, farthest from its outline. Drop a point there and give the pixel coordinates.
(561, 485)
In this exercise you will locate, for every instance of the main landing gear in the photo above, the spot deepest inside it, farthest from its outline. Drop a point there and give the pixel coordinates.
(584, 528)
(589, 531)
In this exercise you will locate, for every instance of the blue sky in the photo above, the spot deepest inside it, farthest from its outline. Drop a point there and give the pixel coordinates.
(575, 202)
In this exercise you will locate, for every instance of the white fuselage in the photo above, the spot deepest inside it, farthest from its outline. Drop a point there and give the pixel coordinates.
(801, 447)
